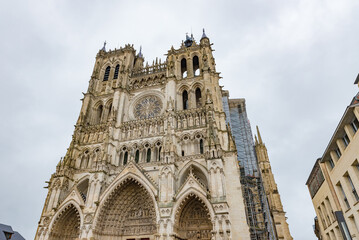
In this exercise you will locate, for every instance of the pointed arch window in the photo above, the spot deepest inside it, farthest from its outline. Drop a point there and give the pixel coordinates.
(137, 156)
(198, 97)
(195, 62)
(159, 154)
(99, 114)
(148, 156)
(109, 111)
(107, 73)
(183, 68)
(125, 158)
(117, 68)
(201, 146)
(185, 100)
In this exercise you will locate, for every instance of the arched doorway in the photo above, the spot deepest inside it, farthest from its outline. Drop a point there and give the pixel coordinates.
(66, 225)
(193, 220)
(128, 212)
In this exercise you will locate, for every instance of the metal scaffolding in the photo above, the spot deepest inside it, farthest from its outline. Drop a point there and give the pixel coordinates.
(259, 217)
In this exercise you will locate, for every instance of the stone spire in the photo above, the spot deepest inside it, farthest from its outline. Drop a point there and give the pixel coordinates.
(271, 190)
(204, 34)
(140, 53)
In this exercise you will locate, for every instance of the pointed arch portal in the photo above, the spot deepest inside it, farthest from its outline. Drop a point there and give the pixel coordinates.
(129, 211)
(66, 225)
(193, 220)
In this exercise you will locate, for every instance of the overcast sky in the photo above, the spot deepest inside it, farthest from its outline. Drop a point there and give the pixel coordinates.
(294, 61)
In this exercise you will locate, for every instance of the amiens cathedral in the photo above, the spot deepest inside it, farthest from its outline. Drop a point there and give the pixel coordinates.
(161, 152)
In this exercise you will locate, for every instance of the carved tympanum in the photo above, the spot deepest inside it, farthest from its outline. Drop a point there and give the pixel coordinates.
(194, 221)
(66, 225)
(129, 211)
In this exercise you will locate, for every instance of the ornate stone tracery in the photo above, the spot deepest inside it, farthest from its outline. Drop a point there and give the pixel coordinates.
(128, 211)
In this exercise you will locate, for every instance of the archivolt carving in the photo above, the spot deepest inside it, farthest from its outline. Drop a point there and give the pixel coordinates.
(66, 225)
(129, 210)
(193, 220)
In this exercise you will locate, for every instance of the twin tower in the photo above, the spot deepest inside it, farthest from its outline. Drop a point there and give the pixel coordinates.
(160, 152)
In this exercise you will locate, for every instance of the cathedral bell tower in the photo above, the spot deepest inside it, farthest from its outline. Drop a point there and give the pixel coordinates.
(151, 156)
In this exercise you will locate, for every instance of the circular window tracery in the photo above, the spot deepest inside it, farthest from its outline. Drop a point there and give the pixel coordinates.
(147, 107)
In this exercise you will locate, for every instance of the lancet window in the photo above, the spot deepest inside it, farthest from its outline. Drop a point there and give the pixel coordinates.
(83, 188)
(137, 156)
(183, 68)
(185, 100)
(107, 73)
(148, 155)
(195, 63)
(117, 68)
(125, 158)
(198, 97)
(98, 116)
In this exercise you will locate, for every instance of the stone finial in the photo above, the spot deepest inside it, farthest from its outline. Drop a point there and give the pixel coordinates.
(259, 136)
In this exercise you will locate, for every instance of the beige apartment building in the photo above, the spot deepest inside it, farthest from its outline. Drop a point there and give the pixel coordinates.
(334, 181)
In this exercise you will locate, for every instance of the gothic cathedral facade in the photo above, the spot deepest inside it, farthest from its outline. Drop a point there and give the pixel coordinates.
(153, 157)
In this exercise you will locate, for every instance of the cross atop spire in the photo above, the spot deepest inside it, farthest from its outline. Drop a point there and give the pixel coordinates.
(104, 46)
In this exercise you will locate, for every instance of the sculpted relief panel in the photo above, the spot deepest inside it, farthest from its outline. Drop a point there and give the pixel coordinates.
(129, 211)
(194, 221)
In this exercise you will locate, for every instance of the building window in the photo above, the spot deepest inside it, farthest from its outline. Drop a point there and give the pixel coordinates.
(148, 155)
(159, 154)
(183, 68)
(125, 157)
(353, 188)
(107, 73)
(137, 156)
(198, 97)
(195, 62)
(115, 75)
(346, 140)
(201, 146)
(355, 125)
(331, 163)
(345, 199)
(185, 100)
(337, 151)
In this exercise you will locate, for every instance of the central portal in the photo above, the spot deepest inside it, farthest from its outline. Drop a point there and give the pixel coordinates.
(194, 220)
(128, 213)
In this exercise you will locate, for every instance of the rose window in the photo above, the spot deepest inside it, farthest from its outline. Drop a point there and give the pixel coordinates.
(148, 107)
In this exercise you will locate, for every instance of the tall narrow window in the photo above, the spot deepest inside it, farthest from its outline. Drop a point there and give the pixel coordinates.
(198, 97)
(117, 68)
(355, 125)
(125, 157)
(331, 163)
(137, 156)
(337, 151)
(195, 66)
(345, 199)
(201, 146)
(159, 154)
(107, 73)
(183, 68)
(99, 114)
(346, 140)
(355, 194)
(148, 157)
(185, 100)
(109, 111)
